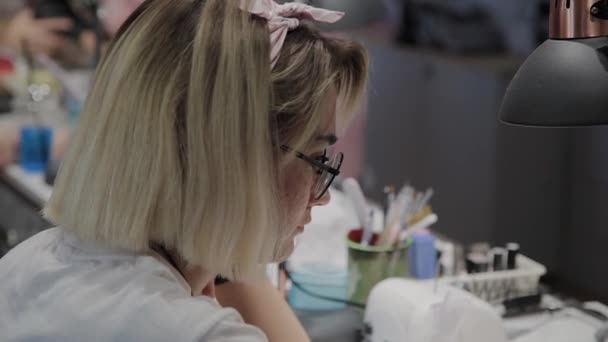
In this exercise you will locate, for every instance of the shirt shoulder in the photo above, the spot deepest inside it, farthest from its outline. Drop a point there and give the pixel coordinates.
(184, 318)
(65, 290)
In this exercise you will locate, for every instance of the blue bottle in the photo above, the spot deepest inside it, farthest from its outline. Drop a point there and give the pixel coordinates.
(422, 257)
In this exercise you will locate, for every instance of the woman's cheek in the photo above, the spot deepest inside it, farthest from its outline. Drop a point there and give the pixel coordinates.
(297, 190)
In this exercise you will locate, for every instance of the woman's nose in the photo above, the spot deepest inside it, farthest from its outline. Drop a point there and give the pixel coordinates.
(321, 201)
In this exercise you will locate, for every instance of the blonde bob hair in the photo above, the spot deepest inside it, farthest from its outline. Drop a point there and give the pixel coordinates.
(179, 140)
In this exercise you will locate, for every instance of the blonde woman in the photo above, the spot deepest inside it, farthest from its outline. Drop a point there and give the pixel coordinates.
(201, 151)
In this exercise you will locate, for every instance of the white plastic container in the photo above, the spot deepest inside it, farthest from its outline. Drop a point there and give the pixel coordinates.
(498, 286)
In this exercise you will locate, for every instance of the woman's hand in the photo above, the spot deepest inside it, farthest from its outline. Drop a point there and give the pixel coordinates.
(9, 141)
(263, 306)
(61, 140)
(41, 35)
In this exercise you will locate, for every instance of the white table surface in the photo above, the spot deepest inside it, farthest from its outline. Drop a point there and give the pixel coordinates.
(31, 185)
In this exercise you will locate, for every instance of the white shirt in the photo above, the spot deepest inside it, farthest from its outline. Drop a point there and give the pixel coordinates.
(55, 287)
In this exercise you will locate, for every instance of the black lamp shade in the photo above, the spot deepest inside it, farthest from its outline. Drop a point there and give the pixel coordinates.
(563, 83)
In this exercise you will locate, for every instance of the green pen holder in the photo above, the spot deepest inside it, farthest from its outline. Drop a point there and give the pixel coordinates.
(369, 265)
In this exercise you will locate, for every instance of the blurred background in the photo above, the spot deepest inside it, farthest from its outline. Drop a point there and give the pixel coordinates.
(439, 71)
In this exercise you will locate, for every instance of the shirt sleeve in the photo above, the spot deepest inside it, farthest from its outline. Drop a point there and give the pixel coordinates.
(234, 331)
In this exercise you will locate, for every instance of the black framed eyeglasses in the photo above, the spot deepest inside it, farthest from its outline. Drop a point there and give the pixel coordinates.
(328, 168)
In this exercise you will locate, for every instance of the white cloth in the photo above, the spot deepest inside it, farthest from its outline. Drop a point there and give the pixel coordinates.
(323, 243)
(55, 287)
(416, 311)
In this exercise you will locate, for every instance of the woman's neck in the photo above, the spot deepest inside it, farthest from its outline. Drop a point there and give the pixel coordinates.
(201, 281)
